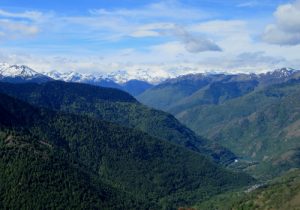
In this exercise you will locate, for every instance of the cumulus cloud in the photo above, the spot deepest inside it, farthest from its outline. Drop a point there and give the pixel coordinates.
(286, 29)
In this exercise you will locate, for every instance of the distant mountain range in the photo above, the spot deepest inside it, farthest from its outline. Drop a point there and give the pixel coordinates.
(120, 80)
(138, 83)
(191, 89)
(119, 77)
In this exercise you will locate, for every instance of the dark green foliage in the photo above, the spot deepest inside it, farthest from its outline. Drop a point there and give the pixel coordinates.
(53, 93)
(95, 163)
(34, 175)
(278, 194)
(114, 106)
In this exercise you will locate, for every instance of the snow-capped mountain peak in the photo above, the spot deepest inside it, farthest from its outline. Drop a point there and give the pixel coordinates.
(154, 76)
(281, 73)
(119, 77)
(14, 71)
(146, 75)
(4, 66)
(285, 72)
(56, 75)
(72, 76)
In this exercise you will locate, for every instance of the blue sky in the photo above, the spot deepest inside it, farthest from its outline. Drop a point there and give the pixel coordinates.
(166, 37)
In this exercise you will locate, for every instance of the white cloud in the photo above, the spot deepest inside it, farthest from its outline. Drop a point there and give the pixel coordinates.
(153, 20)
(169, 9)
(248, 4)
(195, 43)
(152, 29)
(233, 36)
(13, 29)
(21, 25)
(32, 15)
(257, 59)
(174, 41)
(275, 35)
(220, 28)
(288, 17)
(286, 29)
(169, 49)
(130, 22)
(144, 33)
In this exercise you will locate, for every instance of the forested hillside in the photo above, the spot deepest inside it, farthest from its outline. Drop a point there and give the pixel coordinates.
(280, 193)
(103, 157)
(115, 106)
(262, 126)
(254, 115)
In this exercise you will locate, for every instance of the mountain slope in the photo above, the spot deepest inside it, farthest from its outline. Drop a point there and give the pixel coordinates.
(214, 93)
(171, 91)
(38, 173)
(157, 174)
(280, 193)
(262, 126)
(117, 107)
(136, 87)
(33, 176)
